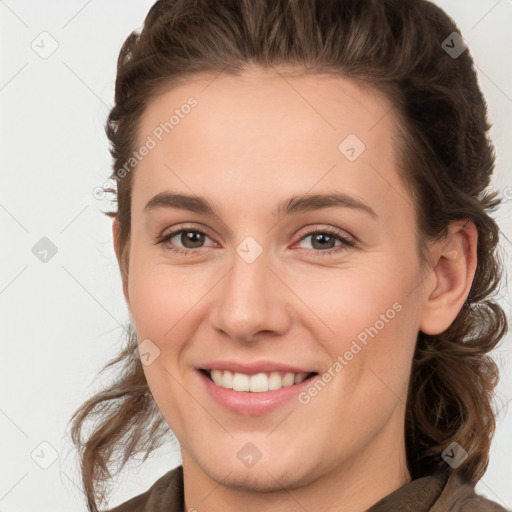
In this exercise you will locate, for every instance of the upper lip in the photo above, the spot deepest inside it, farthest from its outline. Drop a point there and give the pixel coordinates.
(253, 368)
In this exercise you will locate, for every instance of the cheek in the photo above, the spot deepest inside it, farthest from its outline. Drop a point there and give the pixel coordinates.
(355, 303)
(161, 301)
(167, 305)
(367, 322)
(160, 294)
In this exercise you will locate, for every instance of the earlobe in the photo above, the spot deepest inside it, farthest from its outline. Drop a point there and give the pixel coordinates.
(453, 272)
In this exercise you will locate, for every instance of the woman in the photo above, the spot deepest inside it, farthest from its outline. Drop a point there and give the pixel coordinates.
(307, 256)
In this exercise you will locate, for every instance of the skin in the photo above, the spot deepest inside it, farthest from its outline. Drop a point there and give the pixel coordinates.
(252, 142)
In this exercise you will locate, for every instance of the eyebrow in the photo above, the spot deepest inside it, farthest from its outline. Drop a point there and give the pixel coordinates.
(295, 204)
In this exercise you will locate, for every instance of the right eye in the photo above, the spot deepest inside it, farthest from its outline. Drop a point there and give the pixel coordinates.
(191, 238)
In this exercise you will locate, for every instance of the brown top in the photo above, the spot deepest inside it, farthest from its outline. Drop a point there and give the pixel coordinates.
(439, 492)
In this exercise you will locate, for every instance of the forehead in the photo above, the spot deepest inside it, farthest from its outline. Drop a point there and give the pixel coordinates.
(269, 101)
(266, 131)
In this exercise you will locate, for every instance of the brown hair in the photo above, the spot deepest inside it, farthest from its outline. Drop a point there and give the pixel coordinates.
(395, 48)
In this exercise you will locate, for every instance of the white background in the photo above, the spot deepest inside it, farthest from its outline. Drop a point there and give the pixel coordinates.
(61, 320)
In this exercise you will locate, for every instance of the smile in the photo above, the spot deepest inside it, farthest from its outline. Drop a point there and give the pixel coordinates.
(257, 383)
(256, 394)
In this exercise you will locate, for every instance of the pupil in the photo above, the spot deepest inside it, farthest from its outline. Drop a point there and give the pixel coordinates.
(320, 237)
(188, 237)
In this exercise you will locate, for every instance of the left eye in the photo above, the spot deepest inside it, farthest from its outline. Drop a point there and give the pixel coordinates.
(323, 240)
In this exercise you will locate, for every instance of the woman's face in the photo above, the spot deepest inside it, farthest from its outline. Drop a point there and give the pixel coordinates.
(283, 276)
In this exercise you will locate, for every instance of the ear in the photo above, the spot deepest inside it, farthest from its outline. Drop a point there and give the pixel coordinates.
(116, 227)
(448, 285)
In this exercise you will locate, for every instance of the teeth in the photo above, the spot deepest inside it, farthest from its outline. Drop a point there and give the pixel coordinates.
(241, 382)
(257, 383)
(227, 379)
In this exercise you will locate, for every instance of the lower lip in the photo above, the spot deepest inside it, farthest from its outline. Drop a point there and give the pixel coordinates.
(251, 403)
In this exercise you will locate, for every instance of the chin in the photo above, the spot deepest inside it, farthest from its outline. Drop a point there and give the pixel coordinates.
(261, 478)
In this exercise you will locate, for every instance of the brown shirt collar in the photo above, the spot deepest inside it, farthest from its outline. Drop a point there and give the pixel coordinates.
(438, 492)
(417, 496)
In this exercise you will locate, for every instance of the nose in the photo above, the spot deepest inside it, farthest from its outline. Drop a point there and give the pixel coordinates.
(251, 301)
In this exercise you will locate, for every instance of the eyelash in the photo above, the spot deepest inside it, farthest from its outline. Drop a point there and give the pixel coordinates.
(346, 242)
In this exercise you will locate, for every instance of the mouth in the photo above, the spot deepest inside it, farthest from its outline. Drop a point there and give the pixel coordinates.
(257, 382)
